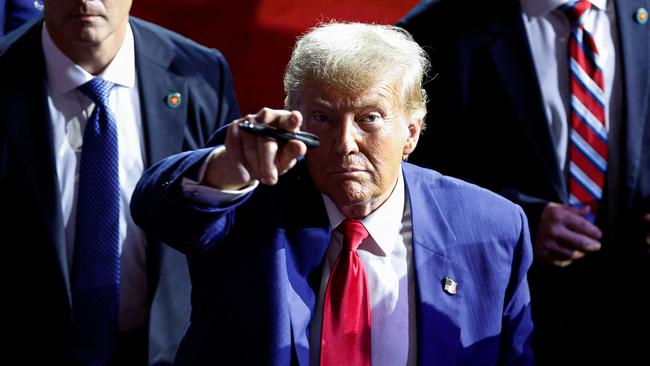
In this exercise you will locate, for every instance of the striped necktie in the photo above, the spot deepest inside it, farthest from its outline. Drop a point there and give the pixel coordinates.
(96, 260)
(588, 133)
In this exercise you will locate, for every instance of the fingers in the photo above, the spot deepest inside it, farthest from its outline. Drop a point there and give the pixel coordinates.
(291, 122)
(554, 251)
(575, 219)
(266, 151)
(565, 235)
(292, 150)
(225, 169)
(265, 159)
(289, 155)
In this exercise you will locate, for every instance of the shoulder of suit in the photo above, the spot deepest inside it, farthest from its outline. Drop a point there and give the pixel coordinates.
(431, 16)
(454, 191)
(26, 32)
(468, 209)
(21, 53)
(184, 49)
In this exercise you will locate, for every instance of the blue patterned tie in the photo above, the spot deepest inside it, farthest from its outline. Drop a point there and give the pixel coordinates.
(96, 262)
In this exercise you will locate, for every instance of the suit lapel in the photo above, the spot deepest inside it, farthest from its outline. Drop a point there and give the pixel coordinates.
(28, 125)
(308, 236)
(305, 251)
(163, 124)
(633, 40)
(438, 312)
(510, 51)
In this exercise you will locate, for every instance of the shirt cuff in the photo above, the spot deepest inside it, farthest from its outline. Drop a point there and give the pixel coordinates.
(209, 195)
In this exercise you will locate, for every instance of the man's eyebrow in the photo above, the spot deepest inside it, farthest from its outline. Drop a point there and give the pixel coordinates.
(360, 103)
(320, 102)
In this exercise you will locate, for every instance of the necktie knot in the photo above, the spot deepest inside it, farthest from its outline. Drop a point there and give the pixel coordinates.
(97, 90)
(575, 10)
(353, 233)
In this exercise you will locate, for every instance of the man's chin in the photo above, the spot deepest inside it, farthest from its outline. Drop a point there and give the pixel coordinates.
(89, 37)
(350, 197)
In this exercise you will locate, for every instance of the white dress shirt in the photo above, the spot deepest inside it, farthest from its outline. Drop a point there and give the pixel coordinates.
(69, 109)
(548, 32)
(388, 260)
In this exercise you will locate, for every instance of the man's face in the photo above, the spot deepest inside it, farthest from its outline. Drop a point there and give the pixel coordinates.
(86, 21)
(363, 138)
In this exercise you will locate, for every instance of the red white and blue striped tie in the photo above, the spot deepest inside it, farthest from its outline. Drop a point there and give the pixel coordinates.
(588, 134)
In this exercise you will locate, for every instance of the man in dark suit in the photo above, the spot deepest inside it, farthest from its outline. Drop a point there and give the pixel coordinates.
(500, 108)
(168, 94)
(14, 13)
(437, 275)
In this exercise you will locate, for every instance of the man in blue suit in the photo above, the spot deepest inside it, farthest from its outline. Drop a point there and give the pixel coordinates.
(169, 95)
(437, 275)
(500, 106)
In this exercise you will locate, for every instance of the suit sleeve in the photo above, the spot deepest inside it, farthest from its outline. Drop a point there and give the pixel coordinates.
(159, 206)
(517, 323)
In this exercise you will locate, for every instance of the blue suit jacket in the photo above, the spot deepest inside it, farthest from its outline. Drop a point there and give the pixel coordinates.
(486, 124)
(14, 13)
(35, 278)
(256, 267)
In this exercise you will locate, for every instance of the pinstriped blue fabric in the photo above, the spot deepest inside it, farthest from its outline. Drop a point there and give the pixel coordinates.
(96, 262)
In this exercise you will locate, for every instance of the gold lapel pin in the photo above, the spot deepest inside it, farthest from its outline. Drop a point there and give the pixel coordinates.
(449, 286)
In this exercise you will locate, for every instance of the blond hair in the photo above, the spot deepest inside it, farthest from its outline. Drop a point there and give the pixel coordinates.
(356, 57)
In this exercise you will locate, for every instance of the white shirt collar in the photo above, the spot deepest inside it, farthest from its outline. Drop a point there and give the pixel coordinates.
(383, 224)
(543, 7)
(64, 75)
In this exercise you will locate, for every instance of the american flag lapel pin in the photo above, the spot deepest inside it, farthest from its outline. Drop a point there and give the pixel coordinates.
(449, 286)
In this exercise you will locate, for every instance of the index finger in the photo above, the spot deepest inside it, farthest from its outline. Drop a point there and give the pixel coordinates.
(581, 225)
(290, 122)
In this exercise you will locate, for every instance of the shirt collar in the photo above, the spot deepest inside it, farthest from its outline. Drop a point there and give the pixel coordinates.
(383, 224)
(64, 75)
(543, 7)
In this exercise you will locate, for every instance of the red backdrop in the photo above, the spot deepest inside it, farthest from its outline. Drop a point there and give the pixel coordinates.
(256, 36)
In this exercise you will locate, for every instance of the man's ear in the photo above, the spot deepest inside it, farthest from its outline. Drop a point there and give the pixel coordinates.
(414, 128)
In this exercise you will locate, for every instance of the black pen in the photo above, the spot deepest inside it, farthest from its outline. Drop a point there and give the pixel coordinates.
(265, 130)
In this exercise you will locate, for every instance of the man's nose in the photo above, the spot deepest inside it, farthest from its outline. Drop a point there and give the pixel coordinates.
(348, 137)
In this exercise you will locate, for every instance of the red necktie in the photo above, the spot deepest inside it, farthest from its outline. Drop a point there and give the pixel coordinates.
(588, 138)
(345, 338)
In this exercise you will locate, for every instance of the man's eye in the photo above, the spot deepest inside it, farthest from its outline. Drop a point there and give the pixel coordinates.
(321, 118)
(370, 118)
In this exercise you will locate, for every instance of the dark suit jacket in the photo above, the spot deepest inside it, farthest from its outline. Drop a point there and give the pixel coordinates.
(14, 13)
(486, 124)
(35, 279)
(260, 261)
